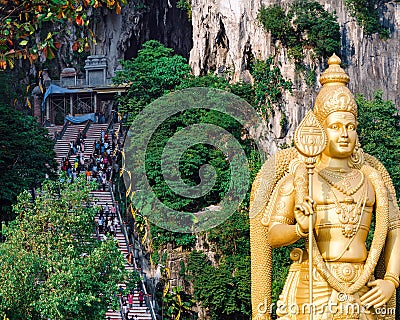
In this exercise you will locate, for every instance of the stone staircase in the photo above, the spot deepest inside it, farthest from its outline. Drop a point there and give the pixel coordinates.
(141, 313)
(62, 146)
(100, 198)
(138, 312)
(93, 134)
(53, 129)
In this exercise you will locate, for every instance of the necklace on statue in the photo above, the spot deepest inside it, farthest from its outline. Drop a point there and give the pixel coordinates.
(344, 181)
(349, 211)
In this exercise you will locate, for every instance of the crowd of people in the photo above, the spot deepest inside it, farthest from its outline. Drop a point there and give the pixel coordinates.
(98, 166)
(107, 223)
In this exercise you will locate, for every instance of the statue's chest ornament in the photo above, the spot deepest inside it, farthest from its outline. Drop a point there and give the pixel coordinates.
(348, 183)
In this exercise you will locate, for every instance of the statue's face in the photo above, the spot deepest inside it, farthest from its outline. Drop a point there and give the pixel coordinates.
(340, 128)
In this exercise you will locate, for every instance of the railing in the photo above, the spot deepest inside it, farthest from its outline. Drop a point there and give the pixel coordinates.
(87, 126)
(66, 124)
(149, 303)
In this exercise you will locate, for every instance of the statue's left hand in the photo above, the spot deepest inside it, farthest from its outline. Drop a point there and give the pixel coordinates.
(380, 293)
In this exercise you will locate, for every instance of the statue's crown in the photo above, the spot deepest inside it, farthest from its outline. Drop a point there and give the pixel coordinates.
(334, 95)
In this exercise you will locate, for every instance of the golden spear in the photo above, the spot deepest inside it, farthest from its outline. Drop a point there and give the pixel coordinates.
(310, 140)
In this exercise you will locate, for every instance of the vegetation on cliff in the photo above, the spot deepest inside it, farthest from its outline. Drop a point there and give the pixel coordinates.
(366, 13)
(221, 285)
(306, 25)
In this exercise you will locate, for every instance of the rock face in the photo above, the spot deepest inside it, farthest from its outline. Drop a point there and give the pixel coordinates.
(121, 36)
(226, 34)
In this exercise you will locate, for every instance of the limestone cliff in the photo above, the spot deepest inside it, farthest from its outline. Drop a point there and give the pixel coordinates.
(225, 34)
(121, 36)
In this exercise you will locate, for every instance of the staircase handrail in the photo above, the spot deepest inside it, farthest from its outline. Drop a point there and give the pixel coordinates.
(66, 124)
(149, 303)
(87, 126)
(110, 124)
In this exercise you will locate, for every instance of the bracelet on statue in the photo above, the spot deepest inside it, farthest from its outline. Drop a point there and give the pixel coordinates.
(389, 276)
(300, 233)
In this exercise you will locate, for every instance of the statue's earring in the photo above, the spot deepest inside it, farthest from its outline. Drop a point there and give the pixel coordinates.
(357, 156)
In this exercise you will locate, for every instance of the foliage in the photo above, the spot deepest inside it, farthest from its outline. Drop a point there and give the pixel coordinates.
(275, 20)
(26, 156)
(232, 237)
(320, 26)
(306, 26)
(186, 6)
(52, 265)
(223, 290)
(379, 132)
(154, 72)
(241, 89)
(266, 92)
(145, 86)
(269, 86)
(161, 237)
(177, 304)
(191, 161)
(21, 23)
(157, 71)
(11, 91)
(366, 13)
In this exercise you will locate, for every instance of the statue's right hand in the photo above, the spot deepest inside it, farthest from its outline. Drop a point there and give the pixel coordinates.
(303, 212)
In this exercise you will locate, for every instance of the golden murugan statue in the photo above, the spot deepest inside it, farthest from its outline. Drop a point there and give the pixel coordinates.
(337, 195)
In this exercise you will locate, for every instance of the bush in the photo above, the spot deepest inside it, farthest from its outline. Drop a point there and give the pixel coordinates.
(306, 26)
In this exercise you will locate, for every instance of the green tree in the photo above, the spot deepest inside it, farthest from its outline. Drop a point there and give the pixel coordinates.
(26, 156)
(275, 20)
(224, 289)
(177, 304)
(11, 92)
(185, 5)
(316, 28)
(269, 86)
(379, 132)
(142, 74)
(154, 72)
(52, 265)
